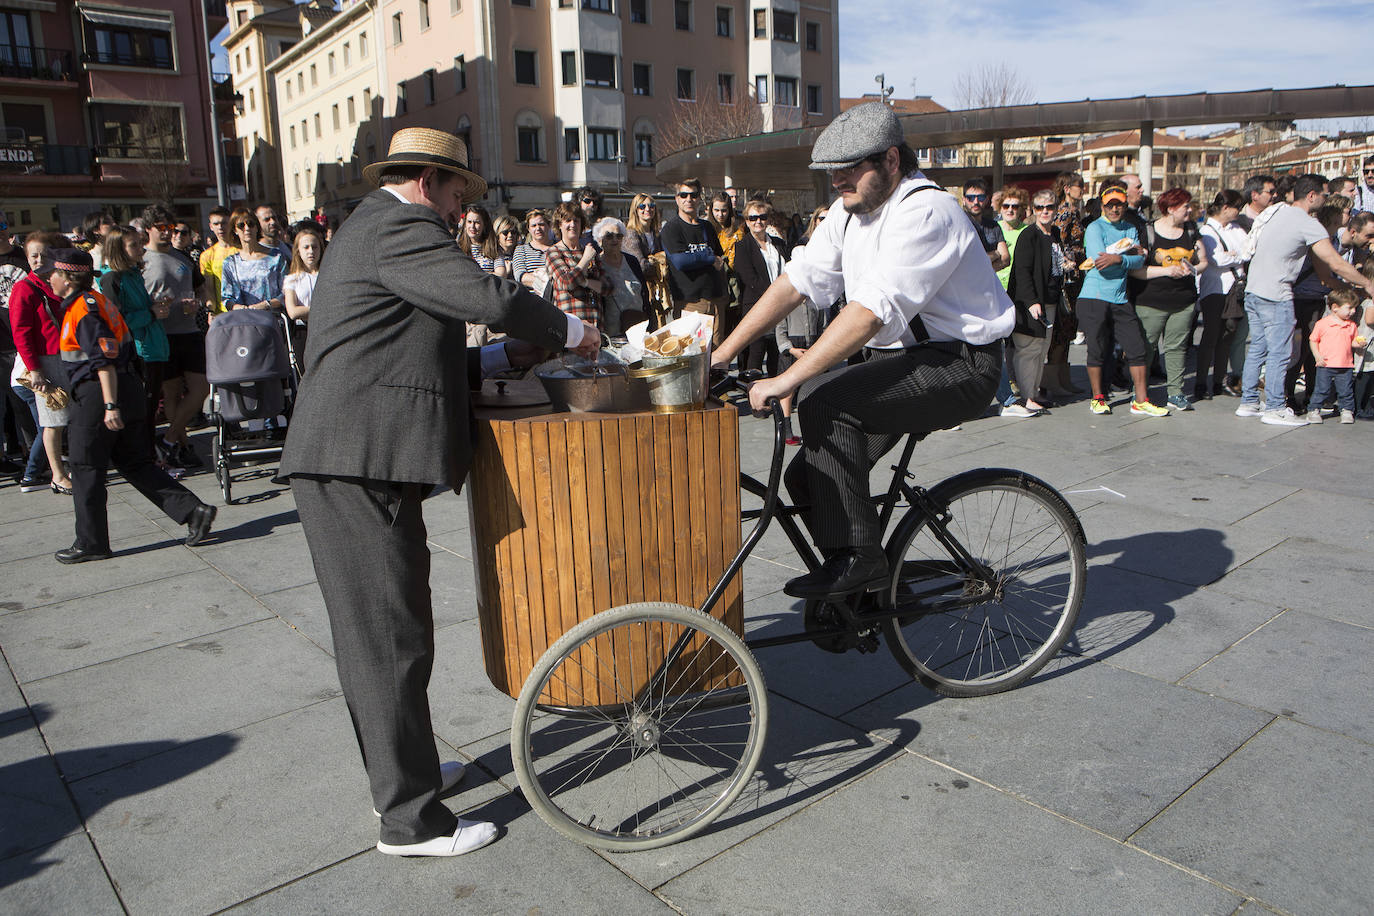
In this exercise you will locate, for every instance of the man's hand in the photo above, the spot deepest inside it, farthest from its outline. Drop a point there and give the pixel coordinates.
(591, 341)
(765, 389)
(1106, 259)
(1037, 311)
(522, 354)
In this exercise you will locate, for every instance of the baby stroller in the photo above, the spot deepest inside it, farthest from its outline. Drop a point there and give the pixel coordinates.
(249, 364)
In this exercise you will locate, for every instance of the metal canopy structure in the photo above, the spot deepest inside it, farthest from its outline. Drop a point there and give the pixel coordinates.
(779, 160)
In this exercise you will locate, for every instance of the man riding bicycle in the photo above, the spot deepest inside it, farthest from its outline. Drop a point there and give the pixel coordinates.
(925, 306)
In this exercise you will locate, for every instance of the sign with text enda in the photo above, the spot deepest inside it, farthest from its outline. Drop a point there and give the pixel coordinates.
(21, 159)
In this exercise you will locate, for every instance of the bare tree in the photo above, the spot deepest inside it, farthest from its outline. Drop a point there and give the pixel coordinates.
(156, 138)
(991, 86)
(705, 121)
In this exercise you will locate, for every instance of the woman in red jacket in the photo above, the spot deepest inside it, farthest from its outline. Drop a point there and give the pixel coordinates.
(36, 319)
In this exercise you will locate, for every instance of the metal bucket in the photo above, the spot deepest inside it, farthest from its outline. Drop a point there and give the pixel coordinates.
(676, 383)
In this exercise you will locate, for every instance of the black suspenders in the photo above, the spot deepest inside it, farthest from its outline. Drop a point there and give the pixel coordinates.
(918, 327)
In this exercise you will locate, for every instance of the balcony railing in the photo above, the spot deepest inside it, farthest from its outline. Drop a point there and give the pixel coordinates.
(30, 63)
(66, 160)
(171, 153)
(150, 59)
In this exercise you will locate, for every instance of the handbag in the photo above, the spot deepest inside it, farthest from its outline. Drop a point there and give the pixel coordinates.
(1233, 309)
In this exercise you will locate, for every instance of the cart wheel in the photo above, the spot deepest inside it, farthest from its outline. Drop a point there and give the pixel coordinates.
(966, 635)
(620, 749)
(221, 468)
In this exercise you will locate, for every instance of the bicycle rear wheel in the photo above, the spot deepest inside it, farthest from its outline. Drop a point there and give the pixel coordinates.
(639, 726)
(964, 633)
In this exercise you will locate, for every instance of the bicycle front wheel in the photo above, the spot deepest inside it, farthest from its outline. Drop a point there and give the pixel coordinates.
(639, 726)
(974, 628)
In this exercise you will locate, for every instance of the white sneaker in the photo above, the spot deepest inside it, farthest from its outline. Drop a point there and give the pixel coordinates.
(1249, 410)
(470, 835)
(450, 774)
(1284, 417)
(1347, 416)
(1314, 416)
(1080, 339)
(1019, 411)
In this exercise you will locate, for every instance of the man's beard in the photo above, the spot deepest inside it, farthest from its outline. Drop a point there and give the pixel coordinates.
(875, 196)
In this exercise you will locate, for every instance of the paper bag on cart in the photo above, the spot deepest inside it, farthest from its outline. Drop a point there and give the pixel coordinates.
(685, 336)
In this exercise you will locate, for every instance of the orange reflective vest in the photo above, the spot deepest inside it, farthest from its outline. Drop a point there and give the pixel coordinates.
(81, 306)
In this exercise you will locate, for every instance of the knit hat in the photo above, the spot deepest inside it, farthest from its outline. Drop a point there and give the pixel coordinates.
(862, 131)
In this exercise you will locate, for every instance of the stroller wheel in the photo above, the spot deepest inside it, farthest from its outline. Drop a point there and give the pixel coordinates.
(221, 470)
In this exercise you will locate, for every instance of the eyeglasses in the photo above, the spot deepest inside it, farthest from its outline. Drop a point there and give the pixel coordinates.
(686, 194)
(1011, 206)
(1114, 205)
(611, 236)
(509, 232)
(756, 218)
(645, 207)
(821, 218)
(164, 228)
(589, 200)
(180, 231)
(1043, 206)
(972, 197)
(1369, 171)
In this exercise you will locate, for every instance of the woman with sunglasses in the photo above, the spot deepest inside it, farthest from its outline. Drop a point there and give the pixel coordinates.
(253, 274)
(642, 228)
(759, 258)
(1037, 283)
(507, 234)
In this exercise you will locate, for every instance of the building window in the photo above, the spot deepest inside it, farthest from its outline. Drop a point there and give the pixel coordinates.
(309, 180)
(352, 111)
(429, 86)
(569, 59)
(601, 6)
(424, 15)
(760, 23)
(761, 89)
(396, 29)
(527, 144)
(784, 26)
(572, 144)
(362, 45)
(367, 103)
(346, 54)
(644, 150)
(401, 98)
(682, 15)
(305, 132)
(686, 85)
(526, 68)
(314, 76)
(813, 36)
(126, 39)
(725, 22)
(333, 64)
(248, 56)
(357, 169)
(137, 131)
(288, 89)
(725, 88)
(528, 3)
(291, 132)
(242, 16)
(639, 10)
(318, 133)
(238, 64)
(460, 73)
(603, 145)
(252, 99)
(786, 90)
(334, 110)
(300, 82)
(643, 79)
(813, 100)
(599, 69)
(296, 183)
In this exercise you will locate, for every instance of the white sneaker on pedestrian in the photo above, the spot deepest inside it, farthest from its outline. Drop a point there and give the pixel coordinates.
(1249, 410)
(1314, 416)
(1020, 411)
(1347, 416)
(1284, 417)
(1080, 339)
(468, 836)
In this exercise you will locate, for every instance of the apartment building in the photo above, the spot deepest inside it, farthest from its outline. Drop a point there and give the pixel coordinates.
(104, 105)
(554, 94)
(259, 32)
(328, 96)
(1195, 164)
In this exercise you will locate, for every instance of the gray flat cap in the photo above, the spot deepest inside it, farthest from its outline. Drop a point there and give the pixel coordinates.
(862, 131)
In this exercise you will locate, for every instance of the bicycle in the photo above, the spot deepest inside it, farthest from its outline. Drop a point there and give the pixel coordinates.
(641, 725)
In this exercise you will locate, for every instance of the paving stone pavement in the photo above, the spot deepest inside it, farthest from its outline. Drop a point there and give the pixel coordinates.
(172, 739)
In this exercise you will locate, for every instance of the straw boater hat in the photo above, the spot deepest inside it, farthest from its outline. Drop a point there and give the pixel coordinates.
(426, 146)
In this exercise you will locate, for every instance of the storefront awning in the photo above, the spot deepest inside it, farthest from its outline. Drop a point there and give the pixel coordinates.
(125, 19)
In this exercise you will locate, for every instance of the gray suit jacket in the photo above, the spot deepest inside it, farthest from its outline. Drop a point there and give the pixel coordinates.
(386, 397)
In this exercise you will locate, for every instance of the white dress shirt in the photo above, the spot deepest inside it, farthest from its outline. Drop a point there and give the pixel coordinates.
(913, 255)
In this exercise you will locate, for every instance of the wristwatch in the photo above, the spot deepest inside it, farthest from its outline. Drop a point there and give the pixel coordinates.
(111, 405)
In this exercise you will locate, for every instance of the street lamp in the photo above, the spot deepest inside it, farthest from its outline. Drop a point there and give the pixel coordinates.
(884, 90)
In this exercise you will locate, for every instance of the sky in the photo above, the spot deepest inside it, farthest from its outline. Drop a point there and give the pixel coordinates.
(1081, 50)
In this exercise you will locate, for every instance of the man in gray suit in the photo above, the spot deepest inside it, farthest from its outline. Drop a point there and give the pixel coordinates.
(381, 419)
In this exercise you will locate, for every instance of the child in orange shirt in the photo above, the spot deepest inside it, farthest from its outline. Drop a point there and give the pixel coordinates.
(1333, 344)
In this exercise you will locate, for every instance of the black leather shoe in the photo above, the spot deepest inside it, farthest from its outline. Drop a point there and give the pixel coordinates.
(852, 570)
(198, 525)
(74, 554)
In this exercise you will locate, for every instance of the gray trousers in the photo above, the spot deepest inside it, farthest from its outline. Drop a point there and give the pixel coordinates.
(852, 416)
(367, 541)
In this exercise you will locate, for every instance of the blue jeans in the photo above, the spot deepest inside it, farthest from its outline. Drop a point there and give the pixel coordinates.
(1004, 396)
(1343, 380)
(1271, 345)
(38, 456)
